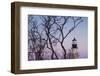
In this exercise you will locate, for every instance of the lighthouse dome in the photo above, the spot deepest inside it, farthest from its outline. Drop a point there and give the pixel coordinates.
(74, 39)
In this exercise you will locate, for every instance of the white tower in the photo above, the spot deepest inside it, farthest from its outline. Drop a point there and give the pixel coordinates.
(74, 49)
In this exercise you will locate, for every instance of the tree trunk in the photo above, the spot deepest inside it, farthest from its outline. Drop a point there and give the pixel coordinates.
(64, 51)
(53, 52)
(38, 55)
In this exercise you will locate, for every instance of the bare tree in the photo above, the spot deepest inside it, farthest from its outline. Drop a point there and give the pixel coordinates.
(36, 39)
(61, 22)
(53, 32)
(48, 22)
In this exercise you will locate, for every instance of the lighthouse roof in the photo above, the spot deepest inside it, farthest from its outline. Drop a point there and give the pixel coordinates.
(74, 39)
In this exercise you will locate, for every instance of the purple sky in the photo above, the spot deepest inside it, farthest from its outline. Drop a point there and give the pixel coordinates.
(80, 33)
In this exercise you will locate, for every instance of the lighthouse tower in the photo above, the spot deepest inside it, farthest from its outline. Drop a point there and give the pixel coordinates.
(74, 50)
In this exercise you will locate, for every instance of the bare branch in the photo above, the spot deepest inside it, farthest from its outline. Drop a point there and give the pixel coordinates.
(75, 25)
(79, 23)
(55, 38)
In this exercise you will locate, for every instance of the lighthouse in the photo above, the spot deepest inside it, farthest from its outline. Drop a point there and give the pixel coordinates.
(74, 51)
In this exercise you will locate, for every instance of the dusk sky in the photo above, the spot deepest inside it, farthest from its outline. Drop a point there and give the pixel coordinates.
(80, 33)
